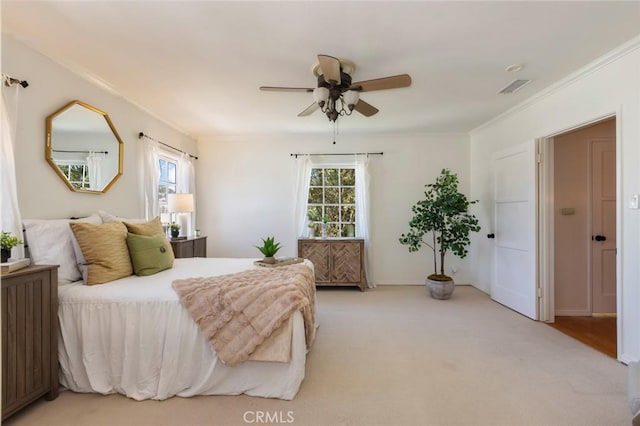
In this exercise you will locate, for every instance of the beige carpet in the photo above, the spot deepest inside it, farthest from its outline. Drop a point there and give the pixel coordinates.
(393, 356)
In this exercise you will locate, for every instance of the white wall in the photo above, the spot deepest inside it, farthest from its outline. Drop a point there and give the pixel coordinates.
(613, 86)
(246, 187)
(41, 193)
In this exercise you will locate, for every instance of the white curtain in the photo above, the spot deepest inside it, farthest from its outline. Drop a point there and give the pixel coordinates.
(151, 177)
(94, 166)
(9, 208)
(186, 183)
(303, 173)
(363, 210)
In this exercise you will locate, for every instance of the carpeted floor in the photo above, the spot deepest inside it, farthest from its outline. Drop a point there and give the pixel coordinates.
(393, 356)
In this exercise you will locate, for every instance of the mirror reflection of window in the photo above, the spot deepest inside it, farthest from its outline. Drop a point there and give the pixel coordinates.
(84, 147)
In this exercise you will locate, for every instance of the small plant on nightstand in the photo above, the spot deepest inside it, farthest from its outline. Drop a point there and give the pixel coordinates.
(269, 249)
(175, 229)
(7, 242)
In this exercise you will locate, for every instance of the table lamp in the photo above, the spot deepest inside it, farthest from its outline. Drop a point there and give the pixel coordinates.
(180, 204)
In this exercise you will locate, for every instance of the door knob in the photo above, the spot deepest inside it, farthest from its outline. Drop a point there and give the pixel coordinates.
(491, 235)
(599, 238)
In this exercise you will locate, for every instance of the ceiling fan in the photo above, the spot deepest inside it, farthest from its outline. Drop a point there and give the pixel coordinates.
(335, 94)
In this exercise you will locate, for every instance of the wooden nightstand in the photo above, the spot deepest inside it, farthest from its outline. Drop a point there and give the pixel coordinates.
(29, 336)
(190, 247)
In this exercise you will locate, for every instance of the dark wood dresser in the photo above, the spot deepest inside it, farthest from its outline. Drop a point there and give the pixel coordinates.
(190, 247)
(29, 336)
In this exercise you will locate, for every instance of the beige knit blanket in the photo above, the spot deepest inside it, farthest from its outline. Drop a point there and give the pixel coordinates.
(237, 312)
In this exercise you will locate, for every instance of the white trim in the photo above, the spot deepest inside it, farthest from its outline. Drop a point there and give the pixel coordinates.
(583, 72)
(546, 303)
(546, 250)
(573, 313)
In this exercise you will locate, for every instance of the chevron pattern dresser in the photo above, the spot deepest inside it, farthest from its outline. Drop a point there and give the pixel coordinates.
(337, 261)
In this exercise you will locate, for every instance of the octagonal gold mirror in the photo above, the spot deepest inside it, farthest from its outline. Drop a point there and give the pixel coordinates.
(84, 148)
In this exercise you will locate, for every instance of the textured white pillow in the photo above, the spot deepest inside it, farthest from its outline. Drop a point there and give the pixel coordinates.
(108, 217)
(50, 243)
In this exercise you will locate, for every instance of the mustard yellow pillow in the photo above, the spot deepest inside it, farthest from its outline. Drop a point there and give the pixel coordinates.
(153, 227)
(105, 252)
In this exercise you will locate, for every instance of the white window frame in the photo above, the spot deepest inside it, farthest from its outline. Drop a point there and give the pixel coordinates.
(163, 210)
(340, 223)
(85, 172)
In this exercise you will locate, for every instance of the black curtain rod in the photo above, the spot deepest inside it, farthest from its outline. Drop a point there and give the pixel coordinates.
(81, 152)
(8, 81)
(342, 153)
(142, 135)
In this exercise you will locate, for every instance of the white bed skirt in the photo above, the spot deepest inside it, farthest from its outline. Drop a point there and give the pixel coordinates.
(151, 348)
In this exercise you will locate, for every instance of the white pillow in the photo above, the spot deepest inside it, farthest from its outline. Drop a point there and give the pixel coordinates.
(50, 243)
(108, 217)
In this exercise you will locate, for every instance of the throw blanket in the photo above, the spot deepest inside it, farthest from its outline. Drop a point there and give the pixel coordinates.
(237, 312)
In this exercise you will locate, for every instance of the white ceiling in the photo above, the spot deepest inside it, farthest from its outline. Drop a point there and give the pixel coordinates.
(198, 65)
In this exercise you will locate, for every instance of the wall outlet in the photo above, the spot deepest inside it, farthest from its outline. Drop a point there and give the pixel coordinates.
(634, 204)
(454, 270)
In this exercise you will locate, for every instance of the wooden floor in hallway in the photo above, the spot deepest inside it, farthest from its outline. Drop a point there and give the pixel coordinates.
(598, 332)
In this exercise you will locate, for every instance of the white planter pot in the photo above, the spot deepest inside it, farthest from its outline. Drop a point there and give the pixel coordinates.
(440, 290)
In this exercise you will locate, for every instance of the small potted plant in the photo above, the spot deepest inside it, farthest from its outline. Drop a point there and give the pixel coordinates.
(444, 212)
(269, 249)
(312, 229)
(350, 227)
(175, 229)
(325, 221)
(8, 242)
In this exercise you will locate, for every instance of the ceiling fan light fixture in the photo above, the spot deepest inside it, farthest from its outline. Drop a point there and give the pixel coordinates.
(321, 95)
(351, 98)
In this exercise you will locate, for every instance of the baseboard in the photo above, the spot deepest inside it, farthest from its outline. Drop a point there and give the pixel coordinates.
(413, 283)
(626, 359)
(573, 313)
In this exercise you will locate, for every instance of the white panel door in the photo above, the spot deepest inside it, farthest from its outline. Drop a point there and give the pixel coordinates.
(514, 280)
(603, 225)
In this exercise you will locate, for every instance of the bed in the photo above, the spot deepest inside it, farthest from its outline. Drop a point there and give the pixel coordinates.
(133, 335)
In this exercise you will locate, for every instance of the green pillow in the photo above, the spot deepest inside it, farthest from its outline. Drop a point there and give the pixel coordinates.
(149, 254)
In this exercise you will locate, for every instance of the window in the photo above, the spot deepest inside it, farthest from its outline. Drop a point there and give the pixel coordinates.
(77, 174)
(167, 184)
(332, 194)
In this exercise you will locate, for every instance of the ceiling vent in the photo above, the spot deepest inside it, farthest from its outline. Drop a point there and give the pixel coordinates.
(514, 86)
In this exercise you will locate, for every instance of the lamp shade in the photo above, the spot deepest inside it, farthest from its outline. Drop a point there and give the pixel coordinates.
(180, 203)
(321, 95)
(351, 97)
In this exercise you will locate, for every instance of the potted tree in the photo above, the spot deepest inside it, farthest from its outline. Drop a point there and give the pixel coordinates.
(444, 214)
(7, 242)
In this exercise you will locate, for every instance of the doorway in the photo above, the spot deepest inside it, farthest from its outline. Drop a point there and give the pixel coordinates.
(583, 225)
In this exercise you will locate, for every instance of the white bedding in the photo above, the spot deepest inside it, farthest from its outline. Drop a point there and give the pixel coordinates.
(132, 336)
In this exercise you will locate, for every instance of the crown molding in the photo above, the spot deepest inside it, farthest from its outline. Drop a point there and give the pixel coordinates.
(604, 60)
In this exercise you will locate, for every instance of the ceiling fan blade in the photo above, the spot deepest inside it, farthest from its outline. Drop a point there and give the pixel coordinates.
(286, 89)
(330, 67)
(394, 82)
(309, 110)
(365, 109)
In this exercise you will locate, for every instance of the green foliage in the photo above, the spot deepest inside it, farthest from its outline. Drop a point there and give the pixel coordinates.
(8, 241)
(174, 226)
(443, 213)
(326, 218)
(269, 247)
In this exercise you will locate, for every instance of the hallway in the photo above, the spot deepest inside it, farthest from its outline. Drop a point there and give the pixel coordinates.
(596, 332)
